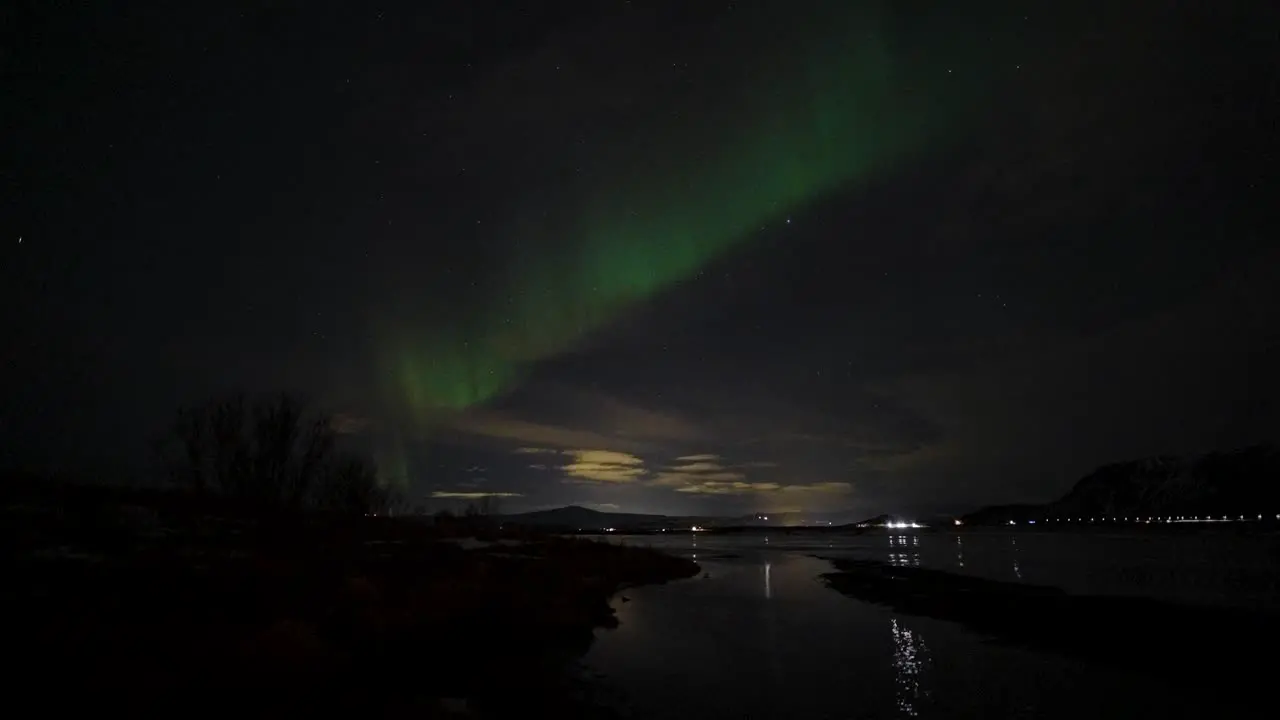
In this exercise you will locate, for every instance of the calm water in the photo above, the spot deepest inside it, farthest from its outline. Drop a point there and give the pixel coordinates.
(760, 636)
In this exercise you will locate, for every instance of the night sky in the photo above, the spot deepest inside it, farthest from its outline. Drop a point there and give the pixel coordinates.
(676, 257)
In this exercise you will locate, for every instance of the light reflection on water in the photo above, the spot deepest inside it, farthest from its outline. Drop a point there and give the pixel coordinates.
(1223, 568)
(759, 635)
(910, 658)
(899, 555)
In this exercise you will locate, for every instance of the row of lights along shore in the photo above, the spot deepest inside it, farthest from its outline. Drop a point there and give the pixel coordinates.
(1154, 519)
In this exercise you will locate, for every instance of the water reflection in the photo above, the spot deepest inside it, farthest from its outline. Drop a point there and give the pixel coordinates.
(899, 555)
(1017, 569)
(910, 660)
(756, 636)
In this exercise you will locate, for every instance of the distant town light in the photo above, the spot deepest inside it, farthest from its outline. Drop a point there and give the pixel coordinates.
(957, 522)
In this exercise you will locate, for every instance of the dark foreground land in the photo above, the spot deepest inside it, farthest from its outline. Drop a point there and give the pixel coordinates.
(1226, 652)
(155, 602)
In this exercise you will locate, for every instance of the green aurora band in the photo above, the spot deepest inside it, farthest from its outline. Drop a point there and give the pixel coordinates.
(816, 112)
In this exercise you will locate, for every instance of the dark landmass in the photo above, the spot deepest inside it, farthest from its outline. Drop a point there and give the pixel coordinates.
(1209, 646)
(155, 601)
(877, 520)
(1004, 514)
(793, 530)
(579, 519)
(575, 519)
(1241, 483)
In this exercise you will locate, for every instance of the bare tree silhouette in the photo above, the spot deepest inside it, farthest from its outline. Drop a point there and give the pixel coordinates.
(273, 452)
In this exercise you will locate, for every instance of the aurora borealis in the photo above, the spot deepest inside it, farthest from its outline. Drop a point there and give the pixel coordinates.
(820, 107)
(655, 256)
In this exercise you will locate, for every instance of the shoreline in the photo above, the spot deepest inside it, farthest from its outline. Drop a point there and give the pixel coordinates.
(1200, 645)
(146, 606)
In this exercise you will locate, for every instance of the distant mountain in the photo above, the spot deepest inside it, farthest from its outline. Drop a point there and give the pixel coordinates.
(1241, 482)
(574, 517)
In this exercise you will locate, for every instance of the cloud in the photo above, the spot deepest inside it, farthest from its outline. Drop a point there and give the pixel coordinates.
(473, 495)
(607, 466)
(344, 424)
(821, 488)
(696, 470)
(734, 487)
(553, 417)
(534, 438)
(624, 419)
(760, 464)
(715, 487)
(676, 478)
(604, 456)
(697, 467)
(704, 477)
